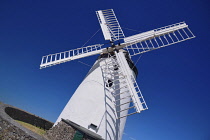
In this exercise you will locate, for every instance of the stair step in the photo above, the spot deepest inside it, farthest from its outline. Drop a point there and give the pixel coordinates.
(128, 115)
(125, 103)
(121, 93)
(126, 109)
(122, 98)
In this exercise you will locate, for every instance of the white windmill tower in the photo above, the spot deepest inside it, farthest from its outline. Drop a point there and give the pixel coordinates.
(109, 93)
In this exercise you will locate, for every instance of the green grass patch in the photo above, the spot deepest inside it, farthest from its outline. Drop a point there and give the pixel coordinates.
(32, 128)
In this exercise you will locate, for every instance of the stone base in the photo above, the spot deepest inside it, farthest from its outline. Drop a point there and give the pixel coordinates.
(67, 130)
(60, 132)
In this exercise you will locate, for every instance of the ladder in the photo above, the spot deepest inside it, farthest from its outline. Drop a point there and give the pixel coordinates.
(125, 100)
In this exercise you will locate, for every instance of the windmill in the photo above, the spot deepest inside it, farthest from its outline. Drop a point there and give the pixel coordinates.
(109, 93)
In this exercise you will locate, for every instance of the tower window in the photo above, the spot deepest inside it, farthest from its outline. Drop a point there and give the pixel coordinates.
(109, 83)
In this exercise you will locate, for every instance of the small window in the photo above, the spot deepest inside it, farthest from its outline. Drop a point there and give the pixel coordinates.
(93, 126)
(109, 83)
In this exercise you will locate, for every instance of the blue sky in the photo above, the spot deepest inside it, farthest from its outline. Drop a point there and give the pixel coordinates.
(174, 80)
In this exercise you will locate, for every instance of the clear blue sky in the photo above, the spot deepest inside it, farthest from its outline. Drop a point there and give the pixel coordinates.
(174, 80)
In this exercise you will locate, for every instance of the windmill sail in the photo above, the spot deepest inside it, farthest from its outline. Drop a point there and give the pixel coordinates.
(109, 24)
(135, 94)
(120, 81)
(57, 58)
(157, 38)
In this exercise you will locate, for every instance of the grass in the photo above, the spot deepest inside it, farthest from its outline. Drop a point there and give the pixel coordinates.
(32, 128)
